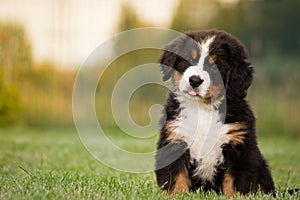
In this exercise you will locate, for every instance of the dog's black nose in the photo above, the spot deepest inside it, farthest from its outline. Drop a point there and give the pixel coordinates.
(195, 81)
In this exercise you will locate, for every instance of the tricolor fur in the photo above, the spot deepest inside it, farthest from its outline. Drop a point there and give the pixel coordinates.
(208, 136)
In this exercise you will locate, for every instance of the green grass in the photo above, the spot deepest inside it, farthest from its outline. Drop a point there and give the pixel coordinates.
(53, 164)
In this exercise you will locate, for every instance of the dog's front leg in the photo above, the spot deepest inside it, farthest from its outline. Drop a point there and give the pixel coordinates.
(173, 177)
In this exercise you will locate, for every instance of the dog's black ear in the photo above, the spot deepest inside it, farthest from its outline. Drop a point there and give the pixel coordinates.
(240, 79)
(174, 53)
(243, 68)
(244, 79)
(170, 56)
(240, 75)
(167, 62)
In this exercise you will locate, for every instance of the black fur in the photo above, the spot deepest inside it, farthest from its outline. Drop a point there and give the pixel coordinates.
(243, 161)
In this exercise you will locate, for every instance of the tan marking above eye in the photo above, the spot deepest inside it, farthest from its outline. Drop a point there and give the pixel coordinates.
(212, 59)
(194, 54)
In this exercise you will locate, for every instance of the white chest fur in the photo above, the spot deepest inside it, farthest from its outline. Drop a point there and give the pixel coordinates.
(204, 132)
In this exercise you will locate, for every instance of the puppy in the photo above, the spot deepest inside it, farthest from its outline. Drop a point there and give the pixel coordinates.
(208, 136)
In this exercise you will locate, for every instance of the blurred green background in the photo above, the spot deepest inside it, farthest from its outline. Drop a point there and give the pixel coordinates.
(39, 94)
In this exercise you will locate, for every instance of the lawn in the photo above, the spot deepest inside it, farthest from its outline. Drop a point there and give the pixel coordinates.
(53, 164)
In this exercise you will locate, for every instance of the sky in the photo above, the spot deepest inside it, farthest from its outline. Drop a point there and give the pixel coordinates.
(65, 32)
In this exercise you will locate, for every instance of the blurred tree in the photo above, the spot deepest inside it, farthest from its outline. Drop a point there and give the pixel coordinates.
(9, 103)
(15, 51)
(279, 25)
(194, 14)
(128, 18)
(15, 57)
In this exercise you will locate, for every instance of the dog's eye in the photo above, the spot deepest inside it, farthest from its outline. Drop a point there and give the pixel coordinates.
(192, 61)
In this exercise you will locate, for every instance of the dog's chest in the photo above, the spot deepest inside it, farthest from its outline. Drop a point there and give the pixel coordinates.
(205, 134)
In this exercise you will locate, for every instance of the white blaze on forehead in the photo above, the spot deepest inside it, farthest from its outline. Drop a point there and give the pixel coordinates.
(206, 43)
(204, 47)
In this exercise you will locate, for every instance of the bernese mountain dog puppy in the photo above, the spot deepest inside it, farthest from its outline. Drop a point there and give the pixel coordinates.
(208, 136)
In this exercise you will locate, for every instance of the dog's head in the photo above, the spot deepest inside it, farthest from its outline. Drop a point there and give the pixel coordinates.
(207, 66)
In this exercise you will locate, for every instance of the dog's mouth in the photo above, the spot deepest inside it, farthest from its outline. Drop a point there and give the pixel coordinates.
(194, 92)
